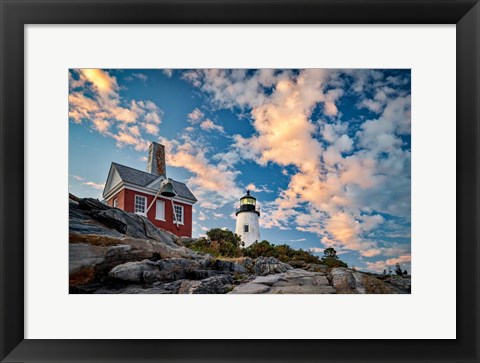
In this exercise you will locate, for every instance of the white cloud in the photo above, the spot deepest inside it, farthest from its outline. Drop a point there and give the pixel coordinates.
(210, 125)
(195, 116)
(88, 183)
(140, 76)
(168, 72)
(253, 188)
(94, 185)
(295, 240)
(95, 97)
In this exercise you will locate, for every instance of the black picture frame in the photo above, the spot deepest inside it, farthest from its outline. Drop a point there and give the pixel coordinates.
(15, 14)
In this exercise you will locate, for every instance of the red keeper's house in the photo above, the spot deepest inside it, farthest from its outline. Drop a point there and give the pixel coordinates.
(140, 192)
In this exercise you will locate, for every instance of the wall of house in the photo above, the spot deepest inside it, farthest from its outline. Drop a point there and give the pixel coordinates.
(185, 229)
(121, 199)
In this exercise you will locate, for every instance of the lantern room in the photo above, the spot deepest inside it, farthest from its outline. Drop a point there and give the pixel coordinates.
(247, 204)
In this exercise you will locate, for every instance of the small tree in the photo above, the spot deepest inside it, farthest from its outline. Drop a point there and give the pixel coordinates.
(331, 259)
(330, 253)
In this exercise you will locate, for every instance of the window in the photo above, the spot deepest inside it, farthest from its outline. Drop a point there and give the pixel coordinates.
(250, 201)
(245, 228)
(160, 210)
(140, 204)
(178, 213)
(115, 203)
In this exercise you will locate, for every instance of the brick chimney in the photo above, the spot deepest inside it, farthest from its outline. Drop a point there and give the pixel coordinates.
(156, 160)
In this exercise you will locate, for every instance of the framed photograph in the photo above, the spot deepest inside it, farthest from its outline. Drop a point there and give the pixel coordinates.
(273, 181)
(275, 202)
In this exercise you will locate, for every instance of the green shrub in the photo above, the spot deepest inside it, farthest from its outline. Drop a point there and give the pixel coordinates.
(284, 253)
(219, 243)
(225, 243)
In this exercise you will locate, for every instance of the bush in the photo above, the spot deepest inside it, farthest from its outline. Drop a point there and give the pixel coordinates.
(219, 243)
(224, 243)
(284, 253)
(333, 263)
(258, 249)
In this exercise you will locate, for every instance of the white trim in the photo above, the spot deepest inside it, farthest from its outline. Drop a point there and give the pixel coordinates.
(182, 222)
(112, 172)
(135, 202)
(136, 188)
(114, 191)
(108, 181)
(159, 179)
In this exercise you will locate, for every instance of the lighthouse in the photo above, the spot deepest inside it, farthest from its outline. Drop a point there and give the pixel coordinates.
(247, 220)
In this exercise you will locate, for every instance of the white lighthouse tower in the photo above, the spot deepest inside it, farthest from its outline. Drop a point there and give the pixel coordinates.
(247, 220)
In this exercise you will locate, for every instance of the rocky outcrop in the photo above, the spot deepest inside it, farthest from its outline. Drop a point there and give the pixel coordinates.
(269, 265)
(402, 284)
(316, 267)
(89, 217)
(171, 269)
(230, 266)
(352, 282)
(220, 284)
(116, 252)
(294, 281)
(102, 237)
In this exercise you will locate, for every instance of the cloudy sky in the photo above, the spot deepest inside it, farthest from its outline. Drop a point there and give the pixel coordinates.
(325, 151)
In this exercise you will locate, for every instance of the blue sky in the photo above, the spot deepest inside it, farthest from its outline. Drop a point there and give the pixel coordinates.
(326, 152)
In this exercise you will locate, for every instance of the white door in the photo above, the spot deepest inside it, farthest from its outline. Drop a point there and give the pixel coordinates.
(160, 210)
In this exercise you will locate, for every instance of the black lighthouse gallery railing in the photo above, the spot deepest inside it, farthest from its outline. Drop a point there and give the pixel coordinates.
(247, 208)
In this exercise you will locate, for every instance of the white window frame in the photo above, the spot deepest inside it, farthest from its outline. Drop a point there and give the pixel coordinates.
(175, 220)
(156, 210)
(115, 202)
(135, 205)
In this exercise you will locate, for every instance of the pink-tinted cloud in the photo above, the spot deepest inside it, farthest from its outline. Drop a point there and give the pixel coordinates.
(106, 110)
(195, 116)
(94, 185)
(209, 125)
(213, 183)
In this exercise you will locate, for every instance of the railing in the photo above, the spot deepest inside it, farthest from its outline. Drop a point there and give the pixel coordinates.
(247, 208)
